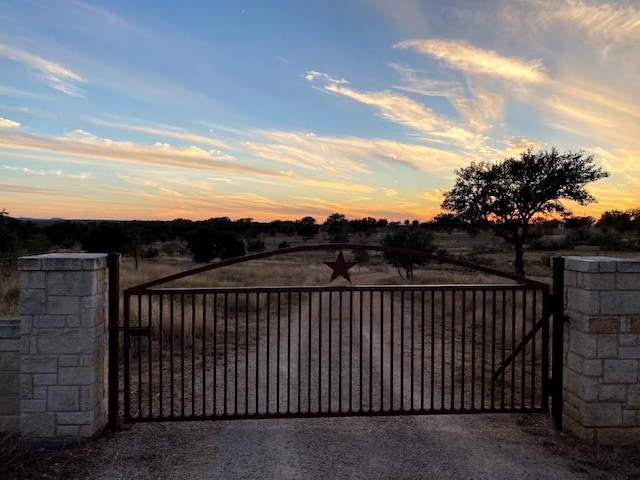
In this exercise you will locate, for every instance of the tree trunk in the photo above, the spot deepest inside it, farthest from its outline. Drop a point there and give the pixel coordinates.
(519, 267)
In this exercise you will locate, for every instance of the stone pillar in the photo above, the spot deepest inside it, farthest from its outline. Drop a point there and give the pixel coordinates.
(63, 307)
(9, 375)
(602, 350)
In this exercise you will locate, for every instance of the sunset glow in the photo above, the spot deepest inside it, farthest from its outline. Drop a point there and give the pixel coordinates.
(279, 110)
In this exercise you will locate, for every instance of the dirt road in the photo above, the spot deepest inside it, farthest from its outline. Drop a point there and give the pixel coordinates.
(435, 447)
(430, 447)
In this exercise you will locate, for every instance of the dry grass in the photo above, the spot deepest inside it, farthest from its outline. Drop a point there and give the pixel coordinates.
(9, 293)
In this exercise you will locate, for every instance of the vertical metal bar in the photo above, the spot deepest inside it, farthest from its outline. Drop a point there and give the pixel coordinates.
(150, 353)
(513, 346)
(236, 349)
(504, 330)
(493, 345)
(258, 389)
(534, 316)
(351, 349)
(361, 335)
(278, 328)
(247, 300)
(330, 344)
(278, 324)
(412, 346)
(193, 354)
(113, 417)
(268, 360)
(422, 360)
(474, 319)
(300, 351)
(126, 302)
(558, 341)
(547, 390)
(442, 349)
(215, 354)
(204, 353)
(432, 341)
(453, 347)
(226, 351)
(402, 350)
(524, 347)
(171, 353)
(463, 328)
(310, 341)
(484, 349)
(370, 349)
(160, 355)
(340, 353)
(391, 345)
(382, 317)
(139, 339)
(320, 352)
(182, 342)
(288, 352)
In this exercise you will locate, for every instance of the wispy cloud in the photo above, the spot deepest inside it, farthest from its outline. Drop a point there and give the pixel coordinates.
(166, 131)
(312, 75)
(403, 110)
(461, 55)
(604, 21)
(10, 188)
(49, 173)
(479, 108)
(6, 123)
(353, 155)
(56, 75)
(84, 144)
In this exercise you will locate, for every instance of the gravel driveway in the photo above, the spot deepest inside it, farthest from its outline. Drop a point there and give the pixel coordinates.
(430, 447)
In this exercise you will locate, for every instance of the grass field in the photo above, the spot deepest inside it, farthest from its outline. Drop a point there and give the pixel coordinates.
(308, 269)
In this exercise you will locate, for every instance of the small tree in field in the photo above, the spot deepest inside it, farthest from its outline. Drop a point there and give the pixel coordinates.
(409, 237)
(506, 196)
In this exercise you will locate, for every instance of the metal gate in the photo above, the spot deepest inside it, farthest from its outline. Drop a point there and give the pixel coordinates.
(217, 352)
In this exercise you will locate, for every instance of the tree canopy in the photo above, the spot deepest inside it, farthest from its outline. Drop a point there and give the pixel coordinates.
(506, 196)
(409, 237)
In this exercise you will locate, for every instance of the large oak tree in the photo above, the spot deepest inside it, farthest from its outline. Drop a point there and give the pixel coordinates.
(506, 196)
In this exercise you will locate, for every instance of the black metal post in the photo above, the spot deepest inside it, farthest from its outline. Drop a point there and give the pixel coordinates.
(113, 416)
(557, 354)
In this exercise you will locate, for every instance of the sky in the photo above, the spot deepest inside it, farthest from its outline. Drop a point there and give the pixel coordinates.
(281, 109)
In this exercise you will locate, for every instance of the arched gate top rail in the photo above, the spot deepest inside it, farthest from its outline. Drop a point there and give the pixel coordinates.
(336, 247)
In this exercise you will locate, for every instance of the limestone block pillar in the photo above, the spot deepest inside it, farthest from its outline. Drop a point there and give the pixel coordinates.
(63, 307)
(602, 350)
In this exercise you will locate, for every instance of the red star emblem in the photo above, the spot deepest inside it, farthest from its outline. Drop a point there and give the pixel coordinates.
(340, 268)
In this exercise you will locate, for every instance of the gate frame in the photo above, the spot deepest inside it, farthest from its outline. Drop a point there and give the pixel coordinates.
(552, 386)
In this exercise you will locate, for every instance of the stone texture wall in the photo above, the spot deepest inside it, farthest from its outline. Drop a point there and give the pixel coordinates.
(63, 307)
(602, 349)
(9, 375)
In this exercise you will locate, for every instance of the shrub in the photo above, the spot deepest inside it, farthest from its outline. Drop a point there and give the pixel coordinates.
(256, 245)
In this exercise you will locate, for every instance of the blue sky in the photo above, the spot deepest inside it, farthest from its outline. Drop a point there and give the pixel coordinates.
(282, 109)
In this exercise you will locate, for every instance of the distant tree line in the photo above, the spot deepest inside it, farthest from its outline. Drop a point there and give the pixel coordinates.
(514, 198)
(222, 237)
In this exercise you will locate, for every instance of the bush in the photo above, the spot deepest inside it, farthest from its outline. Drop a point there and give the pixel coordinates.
(206, 244)
(409, 237)
(551, 243)
(361, 256)
(150, 252)
(256, 245)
